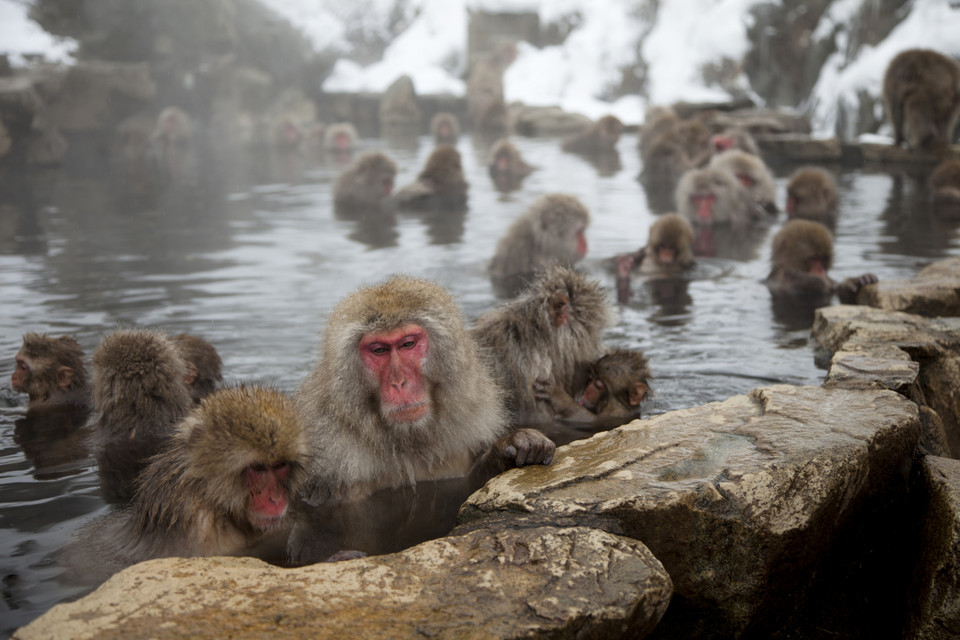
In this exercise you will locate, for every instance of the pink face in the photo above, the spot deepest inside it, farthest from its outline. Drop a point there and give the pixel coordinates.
(722, 143)
(21, 375)
(816, 267)
(592, 394)
(666, 255)
(704, 205)
(581, 244)
(342, 142)
(746, 180)
(267, 501)
(394, 358)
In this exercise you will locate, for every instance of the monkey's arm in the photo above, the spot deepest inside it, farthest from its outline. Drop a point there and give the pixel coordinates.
(560, 403)
(848, 289)
(623, 266)
(519, 448)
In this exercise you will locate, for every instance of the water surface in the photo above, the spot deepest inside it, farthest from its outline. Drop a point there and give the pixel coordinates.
(250, 255)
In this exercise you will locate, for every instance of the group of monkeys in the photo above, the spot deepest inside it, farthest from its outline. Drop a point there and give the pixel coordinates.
(404, 392)
(405, 389)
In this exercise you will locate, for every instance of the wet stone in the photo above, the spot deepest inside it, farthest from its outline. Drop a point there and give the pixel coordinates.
(739, 499)
(538, 582)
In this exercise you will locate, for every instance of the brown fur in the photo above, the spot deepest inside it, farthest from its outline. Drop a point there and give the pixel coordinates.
(546, 234)
(55, 374)
(506, 165)
(945, 181)
(670, 231)
(734, 138)
(658, 120)
(812, 195)
(206, 362)
(354, 453)
(794, 247)
(694, 137)
(444, 120)
(191, 499)
(731, 207)
(624, 374)
(440, 183)
(139, 389)
(921, 91)
(340, 131)
(753, 175)
(366, 182)
(600, 137)
(486, 108)
(541, 336)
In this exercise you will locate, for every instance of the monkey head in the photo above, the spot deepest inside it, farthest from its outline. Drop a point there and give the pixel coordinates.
(46, 366)
(246, 448)
(803, 246)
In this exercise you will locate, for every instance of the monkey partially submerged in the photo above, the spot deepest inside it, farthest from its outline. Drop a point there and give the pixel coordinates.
(223, 485)
(802, 254)
(401, 395)
(921, 91)
(52, 372)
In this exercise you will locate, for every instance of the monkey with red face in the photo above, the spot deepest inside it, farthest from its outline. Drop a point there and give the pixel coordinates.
(401, 395)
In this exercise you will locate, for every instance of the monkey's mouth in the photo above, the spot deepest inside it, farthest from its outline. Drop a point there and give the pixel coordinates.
(267, 523)
(409, 413)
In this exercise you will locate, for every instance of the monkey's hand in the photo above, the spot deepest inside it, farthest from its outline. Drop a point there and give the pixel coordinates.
(519, 448)
(848, 289)
(524, 447)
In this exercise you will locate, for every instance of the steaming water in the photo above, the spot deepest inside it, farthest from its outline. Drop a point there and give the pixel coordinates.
(250, 256)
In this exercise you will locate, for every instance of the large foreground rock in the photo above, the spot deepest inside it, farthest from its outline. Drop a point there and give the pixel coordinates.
(936, 589)
(740, 500)
(533, 583)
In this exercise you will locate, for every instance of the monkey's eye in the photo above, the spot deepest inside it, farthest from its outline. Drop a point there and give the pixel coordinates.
(409, 344)
(259, 468)
(379, 349)
(598, 383)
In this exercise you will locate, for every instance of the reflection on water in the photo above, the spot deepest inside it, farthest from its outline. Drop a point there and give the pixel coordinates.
(250, 254)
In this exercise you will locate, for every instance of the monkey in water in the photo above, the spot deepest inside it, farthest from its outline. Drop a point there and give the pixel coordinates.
(539, 337)
(51, 371)
(225, 484)
(551, 231)
(401, 395)
(802, 254)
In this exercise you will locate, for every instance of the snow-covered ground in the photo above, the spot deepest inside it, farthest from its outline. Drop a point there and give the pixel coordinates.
(580, 74)
(21, 36)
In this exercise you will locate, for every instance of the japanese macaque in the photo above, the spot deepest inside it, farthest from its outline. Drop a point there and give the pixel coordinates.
(921, 92)
(51, 371)
(694, 137)
(206, 367)
(678, 149)
(441, 183)
(658, 120)
(340, 138)
(366, 182)
(668, 252)
(506, 166)
(537, 339)
(802, 254)
(752, 173)
(141, 390)
(445, 128)
(600, 137)
(606, 393)
(812, 195)
(734, 138)
(224, 485)
(401, 395)
(945, 182)
(551, 231)
(486, 108)
(399, 106)
(286, 133)
(711, 196)
(174, 127)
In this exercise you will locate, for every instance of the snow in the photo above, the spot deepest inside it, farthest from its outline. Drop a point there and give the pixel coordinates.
(931, 24)
(584, 72)
(20, 36)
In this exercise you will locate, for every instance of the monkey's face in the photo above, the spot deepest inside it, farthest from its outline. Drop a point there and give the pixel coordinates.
(267, 495)
(20, 380)
(593, 393)
(666, 254)
(394, 361)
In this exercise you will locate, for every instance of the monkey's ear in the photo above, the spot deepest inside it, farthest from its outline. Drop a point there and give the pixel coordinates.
(191, 374)
(637, 393)
(64, 377)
